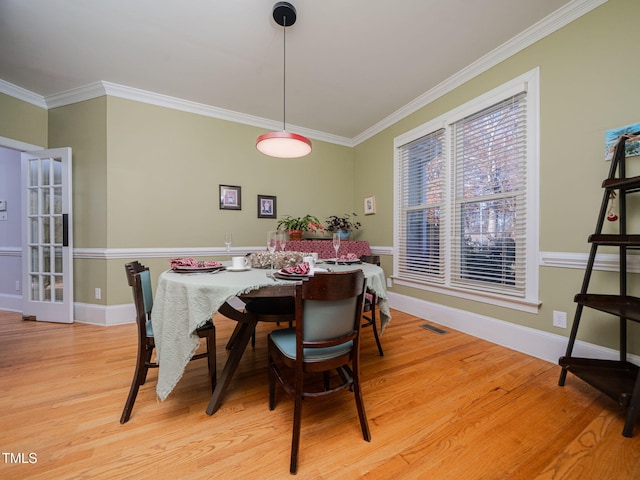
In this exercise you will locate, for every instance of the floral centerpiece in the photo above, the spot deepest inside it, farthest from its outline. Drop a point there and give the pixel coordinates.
(342, 224)
(297, 226)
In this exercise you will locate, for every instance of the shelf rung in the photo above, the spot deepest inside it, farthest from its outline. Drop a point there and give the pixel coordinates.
(615, 240)
(615, 379)
(621, 306)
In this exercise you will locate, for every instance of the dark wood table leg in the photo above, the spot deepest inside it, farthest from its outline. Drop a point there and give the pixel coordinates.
(234, 336)
(243, 333)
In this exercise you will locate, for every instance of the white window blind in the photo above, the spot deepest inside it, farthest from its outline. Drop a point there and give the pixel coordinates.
(489, 227)
(423, 208)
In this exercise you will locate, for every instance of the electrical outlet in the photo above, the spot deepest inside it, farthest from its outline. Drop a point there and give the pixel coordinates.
(559, 319)
(98, 293)
(389, 282)
(17, 285)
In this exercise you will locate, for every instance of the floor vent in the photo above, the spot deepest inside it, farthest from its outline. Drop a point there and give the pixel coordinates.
(437, 330)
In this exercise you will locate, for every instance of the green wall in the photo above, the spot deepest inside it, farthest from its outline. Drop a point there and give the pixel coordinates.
(82, 126)
(588, 85)
(22, 121)
(165, 168)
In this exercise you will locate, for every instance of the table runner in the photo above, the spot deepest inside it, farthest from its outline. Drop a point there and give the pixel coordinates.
(324, 248)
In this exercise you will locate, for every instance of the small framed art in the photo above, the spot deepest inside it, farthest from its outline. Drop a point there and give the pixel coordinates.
(370, 205)
(266, 206)
(632, 147)
(230, 197)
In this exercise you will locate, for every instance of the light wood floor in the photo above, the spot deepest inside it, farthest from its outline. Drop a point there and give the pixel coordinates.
(439, 407)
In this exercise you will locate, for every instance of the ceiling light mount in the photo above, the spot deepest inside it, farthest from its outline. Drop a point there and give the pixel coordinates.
(284, 144)
(284, 14)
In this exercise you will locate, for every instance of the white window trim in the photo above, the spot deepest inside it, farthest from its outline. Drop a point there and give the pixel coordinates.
(529, 82)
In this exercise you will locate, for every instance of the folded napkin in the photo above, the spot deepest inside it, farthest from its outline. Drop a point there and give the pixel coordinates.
(300, 269)
(348, 256)
(190, 262)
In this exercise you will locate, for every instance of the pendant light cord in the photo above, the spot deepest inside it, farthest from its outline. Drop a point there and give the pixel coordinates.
(284, 74)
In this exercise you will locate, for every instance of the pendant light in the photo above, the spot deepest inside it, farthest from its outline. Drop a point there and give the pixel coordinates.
(284, 144)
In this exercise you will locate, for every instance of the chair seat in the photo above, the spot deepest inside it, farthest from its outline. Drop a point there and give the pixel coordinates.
(285, 340)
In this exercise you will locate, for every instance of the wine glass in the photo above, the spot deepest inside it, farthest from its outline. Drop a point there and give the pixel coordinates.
(272, 241)
(228, 240)
(336, 244)
(282, 239)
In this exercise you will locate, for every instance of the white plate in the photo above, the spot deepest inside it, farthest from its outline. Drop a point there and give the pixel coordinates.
(343, 261)
(197, 269)
(241, 269)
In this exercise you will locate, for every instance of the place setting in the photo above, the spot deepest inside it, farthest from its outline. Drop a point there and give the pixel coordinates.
(193, 266)
(299, 272)
(348, 259)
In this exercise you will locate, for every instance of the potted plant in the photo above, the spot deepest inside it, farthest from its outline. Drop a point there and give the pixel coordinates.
(342, 224)
(297, 226)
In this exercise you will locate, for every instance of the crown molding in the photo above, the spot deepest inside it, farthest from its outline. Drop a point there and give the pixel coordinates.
(75, 95)
(561, 17)
(22, 94)
(99, 89)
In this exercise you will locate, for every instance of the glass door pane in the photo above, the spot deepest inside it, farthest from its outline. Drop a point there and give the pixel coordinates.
(45, 231)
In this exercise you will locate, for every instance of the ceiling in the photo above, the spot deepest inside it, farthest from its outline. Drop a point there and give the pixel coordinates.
(350, 63)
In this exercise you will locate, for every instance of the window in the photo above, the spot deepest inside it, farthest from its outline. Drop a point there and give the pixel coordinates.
(466, 199)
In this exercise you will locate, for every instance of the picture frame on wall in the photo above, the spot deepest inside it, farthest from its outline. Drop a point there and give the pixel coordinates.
(230, 197)
(632, 148)
(370, 205)
(267, 206)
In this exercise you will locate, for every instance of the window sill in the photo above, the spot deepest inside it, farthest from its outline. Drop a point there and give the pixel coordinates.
(521, 304)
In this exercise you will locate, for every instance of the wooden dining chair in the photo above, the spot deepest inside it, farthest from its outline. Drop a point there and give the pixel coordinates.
(370, 303)
(138, 277)
(326, 337)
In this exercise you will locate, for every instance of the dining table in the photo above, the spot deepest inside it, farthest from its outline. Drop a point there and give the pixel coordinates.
(186, 301)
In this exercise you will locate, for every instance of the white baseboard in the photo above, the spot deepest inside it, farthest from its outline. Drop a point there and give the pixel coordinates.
(544, 345)
(82, 312)
(11, 303)
(104, 315)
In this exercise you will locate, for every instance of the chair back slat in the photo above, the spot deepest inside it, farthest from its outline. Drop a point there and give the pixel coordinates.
(329, 309)
(147, 293)
(326, 320)
(139, 278)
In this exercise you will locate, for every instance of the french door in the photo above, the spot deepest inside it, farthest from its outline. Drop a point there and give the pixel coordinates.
(47, 246)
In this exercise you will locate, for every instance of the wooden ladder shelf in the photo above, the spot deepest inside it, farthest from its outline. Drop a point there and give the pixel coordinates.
(618, 379)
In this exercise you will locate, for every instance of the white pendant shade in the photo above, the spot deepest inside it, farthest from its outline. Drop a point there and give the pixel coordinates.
(283, 145)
